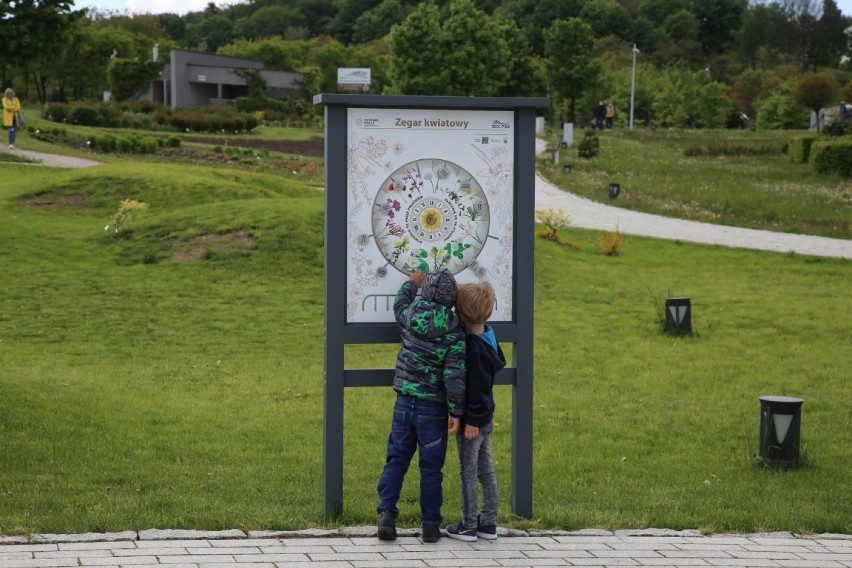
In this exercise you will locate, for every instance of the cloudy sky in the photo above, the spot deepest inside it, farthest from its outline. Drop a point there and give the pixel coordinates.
(184, 6)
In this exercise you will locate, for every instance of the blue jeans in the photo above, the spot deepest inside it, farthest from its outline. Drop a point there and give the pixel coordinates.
(417, 425)
(13, 131)
(477, 468)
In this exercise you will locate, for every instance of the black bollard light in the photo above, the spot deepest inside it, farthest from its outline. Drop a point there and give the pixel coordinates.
(679, 316)
(780, 425)
(614, 190)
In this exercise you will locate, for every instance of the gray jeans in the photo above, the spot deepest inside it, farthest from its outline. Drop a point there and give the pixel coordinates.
(477, 467)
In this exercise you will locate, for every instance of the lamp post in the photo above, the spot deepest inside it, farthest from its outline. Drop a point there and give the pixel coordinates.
(633, 85)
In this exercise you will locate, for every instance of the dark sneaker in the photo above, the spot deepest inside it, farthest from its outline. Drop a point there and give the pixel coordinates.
(387, 526)
(460, 532)
(431, 533)
(488, 532)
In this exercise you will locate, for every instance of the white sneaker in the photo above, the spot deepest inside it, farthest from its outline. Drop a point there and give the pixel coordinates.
(11, 146)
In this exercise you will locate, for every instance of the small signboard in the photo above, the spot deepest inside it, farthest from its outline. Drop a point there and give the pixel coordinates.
(353, 78)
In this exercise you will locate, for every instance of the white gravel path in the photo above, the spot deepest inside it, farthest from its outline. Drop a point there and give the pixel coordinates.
(52, 160)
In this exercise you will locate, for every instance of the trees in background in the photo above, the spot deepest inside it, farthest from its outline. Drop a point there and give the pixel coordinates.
(816, 90)
(571, 71)
(700, 59)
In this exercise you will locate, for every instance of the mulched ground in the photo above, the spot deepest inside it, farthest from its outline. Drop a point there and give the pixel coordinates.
(314, 147)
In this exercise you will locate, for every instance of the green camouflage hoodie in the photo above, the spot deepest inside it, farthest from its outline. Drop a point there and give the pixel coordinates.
(431, 361)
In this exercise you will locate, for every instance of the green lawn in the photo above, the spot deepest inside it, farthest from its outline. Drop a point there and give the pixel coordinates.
(174, 380)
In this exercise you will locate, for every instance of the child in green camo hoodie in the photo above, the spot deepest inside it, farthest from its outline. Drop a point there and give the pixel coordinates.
(429, 381)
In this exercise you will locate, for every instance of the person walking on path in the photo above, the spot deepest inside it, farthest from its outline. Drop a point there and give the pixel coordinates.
(429, 381)
(600, 115)
(11, 115)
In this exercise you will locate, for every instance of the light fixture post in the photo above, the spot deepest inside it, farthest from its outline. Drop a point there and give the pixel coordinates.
(633, 85)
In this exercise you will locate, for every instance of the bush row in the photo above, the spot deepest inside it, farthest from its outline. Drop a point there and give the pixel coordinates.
(799, 147)
(150, 117)
(824, 155)
(832, 156)
(130, 144)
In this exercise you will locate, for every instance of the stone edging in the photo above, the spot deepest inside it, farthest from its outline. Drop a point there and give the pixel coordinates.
(368, 531)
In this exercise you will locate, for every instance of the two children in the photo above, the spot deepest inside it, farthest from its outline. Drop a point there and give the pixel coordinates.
(430, 383)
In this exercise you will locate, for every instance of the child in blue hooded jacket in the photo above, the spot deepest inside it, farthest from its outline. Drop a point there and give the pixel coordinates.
(474, 305)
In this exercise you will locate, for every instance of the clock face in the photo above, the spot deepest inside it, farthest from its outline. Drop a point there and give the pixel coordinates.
(430, 214)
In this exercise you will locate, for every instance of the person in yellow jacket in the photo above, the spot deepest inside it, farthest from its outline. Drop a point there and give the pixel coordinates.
(11, 115)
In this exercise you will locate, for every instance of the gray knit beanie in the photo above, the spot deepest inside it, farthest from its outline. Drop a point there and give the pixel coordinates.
(440, 287)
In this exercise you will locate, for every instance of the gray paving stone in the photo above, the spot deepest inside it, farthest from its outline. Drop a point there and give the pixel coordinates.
(106, 545)
(657, 532)
(340, 549)
(120, 561)
(357, 532)
(176, 534)
(830, 536)
(85, 537)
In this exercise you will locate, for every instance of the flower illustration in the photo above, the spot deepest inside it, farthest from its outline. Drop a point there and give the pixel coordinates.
(431, 219)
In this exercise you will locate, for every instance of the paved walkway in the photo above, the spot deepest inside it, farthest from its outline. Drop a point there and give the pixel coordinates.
(52, 160)
(589, 214)
(358, 548)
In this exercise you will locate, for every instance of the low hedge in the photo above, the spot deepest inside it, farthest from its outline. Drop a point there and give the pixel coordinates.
(832, 156)
(799, 147)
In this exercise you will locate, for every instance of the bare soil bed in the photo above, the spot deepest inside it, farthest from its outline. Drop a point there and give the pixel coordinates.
(314, 147)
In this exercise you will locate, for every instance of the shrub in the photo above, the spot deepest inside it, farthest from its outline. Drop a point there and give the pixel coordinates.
(56, 112)
(838, 128)
(611, 243)
(590, 145)
(173, 142)
(126, 209)
(832, 157)
(102, 143)
(554, 220)
(124, 144)
(84, 115)
(110, 115)
(148, 145)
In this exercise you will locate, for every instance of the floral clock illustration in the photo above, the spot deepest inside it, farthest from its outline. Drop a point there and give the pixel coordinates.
(428, 214)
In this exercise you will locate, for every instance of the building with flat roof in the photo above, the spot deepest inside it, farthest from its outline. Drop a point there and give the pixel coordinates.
(192, 79)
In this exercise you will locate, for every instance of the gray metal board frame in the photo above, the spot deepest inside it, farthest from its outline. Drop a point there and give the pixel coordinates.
(338, 332)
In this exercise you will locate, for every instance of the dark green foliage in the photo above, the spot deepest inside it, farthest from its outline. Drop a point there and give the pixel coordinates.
(130, 144)
(103, 143)
(84, 115)
(838, 128)
(57, 112)
(124, 144)
(590, 144)
(832, 157)
(129, 77)
(211, 119)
